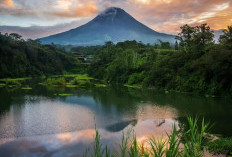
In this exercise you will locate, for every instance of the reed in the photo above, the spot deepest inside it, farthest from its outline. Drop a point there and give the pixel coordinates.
(195, 138)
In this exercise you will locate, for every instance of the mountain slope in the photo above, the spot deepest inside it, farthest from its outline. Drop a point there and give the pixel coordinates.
(114, 24)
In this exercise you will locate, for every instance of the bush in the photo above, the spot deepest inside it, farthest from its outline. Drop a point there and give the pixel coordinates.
(56, 81)
(221, 146)
(136, 78)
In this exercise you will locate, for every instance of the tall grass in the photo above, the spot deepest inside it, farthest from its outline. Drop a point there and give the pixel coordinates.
(56, 81)
(195, 138)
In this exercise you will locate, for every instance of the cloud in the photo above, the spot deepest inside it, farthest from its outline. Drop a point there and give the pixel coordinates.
(162, 15)
(7, 3)
(80, 9)
(34, 32)
(168, 15)
(48, 9)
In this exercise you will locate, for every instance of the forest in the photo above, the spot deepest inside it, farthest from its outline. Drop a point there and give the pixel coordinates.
(195, 63)
(20, 58)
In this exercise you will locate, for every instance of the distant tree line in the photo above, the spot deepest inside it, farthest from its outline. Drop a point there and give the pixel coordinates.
(194, 64)
(19, 58)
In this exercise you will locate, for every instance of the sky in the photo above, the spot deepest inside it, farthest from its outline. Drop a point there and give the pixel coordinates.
(161, 15)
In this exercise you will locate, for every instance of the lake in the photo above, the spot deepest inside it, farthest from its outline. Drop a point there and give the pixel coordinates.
(39, 122)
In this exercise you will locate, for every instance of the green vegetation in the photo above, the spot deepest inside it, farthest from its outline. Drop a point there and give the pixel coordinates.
(221, 146)
(132, 86)
(83, 77)
(194, 64)
(56, 81)
(65, 94)
(72, 81)
(100, 85)
(19, 58)
(81, 50)
(71, 86)
(195, 140)
(15, 79)
(13, 82)
(26, 88)
(2, 84)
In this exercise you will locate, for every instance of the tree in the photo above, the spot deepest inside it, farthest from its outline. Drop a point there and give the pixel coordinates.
(176, 46)
(15, 36)
(226, 38)
(164, 45)
(195, 39)
(202, 36)
(186, 37)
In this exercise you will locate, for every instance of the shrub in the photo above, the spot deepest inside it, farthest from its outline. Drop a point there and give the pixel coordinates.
(56, 81)
(221, 146)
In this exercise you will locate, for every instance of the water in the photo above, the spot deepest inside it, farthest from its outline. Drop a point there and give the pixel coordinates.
(40, 123)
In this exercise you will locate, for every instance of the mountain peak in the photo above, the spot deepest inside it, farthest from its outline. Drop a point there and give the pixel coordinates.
(111, 11)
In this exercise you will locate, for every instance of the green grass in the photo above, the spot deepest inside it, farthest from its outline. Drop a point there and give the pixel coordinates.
(15, 79)
(69, 81)
(56, 81)
(26, 88)
(69, 75)
(164, 147)
(100, 85)
(71, 86)
(84, 77)
(13, 82)
(133, 86)
(65, 94)
(2, 84)
(79, 76)
(42, 83)
(196, 137)
(221, 146)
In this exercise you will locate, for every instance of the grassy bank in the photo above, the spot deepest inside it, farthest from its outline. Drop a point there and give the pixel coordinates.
(73, 81)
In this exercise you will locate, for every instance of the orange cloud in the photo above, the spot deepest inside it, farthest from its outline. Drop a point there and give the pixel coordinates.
(168, 15)
(7, 3)
(82, 9)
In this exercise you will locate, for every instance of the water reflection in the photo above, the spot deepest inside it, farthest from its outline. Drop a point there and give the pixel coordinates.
(46, 116)
(120, 126)
(75, 143)
(39, 123)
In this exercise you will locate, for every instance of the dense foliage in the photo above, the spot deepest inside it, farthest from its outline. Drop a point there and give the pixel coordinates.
(85, 50)
(19, 58)
(221, 146)
(194, 64)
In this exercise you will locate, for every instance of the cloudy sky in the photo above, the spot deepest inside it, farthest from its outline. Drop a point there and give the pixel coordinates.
(161, 15)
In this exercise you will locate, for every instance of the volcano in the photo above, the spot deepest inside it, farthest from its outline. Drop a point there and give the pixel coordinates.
(113, 24)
